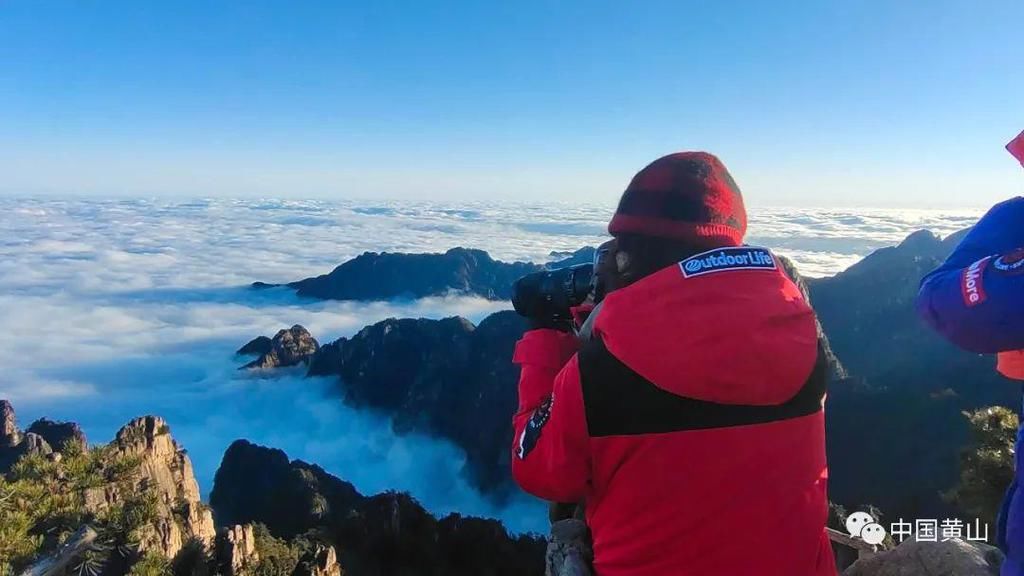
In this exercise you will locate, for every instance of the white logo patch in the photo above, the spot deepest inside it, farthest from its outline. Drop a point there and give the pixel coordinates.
(725, 259)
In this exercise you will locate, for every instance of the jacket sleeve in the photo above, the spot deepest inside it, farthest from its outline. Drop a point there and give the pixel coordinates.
(976, 298)
(551, 447)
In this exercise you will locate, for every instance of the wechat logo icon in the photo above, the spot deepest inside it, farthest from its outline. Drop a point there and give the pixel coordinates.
(862, 525)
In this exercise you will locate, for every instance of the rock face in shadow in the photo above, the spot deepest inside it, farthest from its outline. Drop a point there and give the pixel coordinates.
(59, 434)
(384, 276)
(258, 346)
(445, 377)
(257, 484)
(14, 443)
(289, 347)
(389, 533)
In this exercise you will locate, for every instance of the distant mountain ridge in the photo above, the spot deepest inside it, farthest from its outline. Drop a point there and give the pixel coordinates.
(384, 276)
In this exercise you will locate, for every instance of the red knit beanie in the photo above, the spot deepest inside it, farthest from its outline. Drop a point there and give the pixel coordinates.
(683, 196)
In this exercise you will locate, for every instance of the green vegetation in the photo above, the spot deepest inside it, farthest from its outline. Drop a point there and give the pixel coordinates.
(151, 564)
(43, 501)
(986, 466)
(277, 557)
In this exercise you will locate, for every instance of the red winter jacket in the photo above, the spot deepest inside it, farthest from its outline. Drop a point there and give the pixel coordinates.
(691, 424)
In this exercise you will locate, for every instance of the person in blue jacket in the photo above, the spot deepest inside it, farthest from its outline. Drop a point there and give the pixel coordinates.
(976, 300)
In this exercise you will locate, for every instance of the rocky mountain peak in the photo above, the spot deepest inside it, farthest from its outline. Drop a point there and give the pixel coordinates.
(167, 472)
(921, 241)
(289, 347)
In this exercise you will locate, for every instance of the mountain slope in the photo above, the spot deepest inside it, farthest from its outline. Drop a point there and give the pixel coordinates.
(894, 432)
(383, 276)
(446, 377)
(385, 534)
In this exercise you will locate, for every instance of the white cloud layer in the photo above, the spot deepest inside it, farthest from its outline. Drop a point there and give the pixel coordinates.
(114, 309)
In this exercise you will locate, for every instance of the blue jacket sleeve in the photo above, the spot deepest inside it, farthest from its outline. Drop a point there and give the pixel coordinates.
(976, 298)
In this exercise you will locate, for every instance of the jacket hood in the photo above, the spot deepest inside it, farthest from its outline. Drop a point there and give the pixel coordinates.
(734, 336)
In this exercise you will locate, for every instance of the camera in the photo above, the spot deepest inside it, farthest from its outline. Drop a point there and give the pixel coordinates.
(549, 294)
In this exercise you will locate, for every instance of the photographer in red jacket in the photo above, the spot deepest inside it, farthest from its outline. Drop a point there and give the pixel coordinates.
(690, 422)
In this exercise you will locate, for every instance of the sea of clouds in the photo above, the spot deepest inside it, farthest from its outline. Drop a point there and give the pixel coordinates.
(115, 309)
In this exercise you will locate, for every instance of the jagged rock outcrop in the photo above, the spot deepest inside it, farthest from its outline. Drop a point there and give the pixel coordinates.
(321, 561)
(10, 436)
(59, 435)
(236, 550)
(258, 346)
(912, 558)
(33, 444)
(289, 347)
(389, 533)
(14, 443)
(384, 276)
(166, 471)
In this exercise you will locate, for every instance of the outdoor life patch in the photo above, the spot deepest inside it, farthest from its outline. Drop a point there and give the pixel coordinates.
(726, 259)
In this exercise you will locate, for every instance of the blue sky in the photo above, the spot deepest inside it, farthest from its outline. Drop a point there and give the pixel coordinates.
(833, 103)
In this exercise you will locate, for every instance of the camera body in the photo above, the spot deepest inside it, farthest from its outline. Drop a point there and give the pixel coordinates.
(550, 294)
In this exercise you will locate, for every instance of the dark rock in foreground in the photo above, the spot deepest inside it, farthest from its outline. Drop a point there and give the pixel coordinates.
(385, 276)
(288, 348)
(389, 533)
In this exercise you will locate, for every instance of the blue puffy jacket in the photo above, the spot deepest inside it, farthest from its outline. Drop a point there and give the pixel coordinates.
(976, 300)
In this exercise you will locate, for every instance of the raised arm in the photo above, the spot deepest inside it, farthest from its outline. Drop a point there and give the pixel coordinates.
(551, 448)
(976, 298)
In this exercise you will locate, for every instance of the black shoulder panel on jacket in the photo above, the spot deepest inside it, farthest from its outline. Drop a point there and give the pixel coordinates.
(618, 401)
